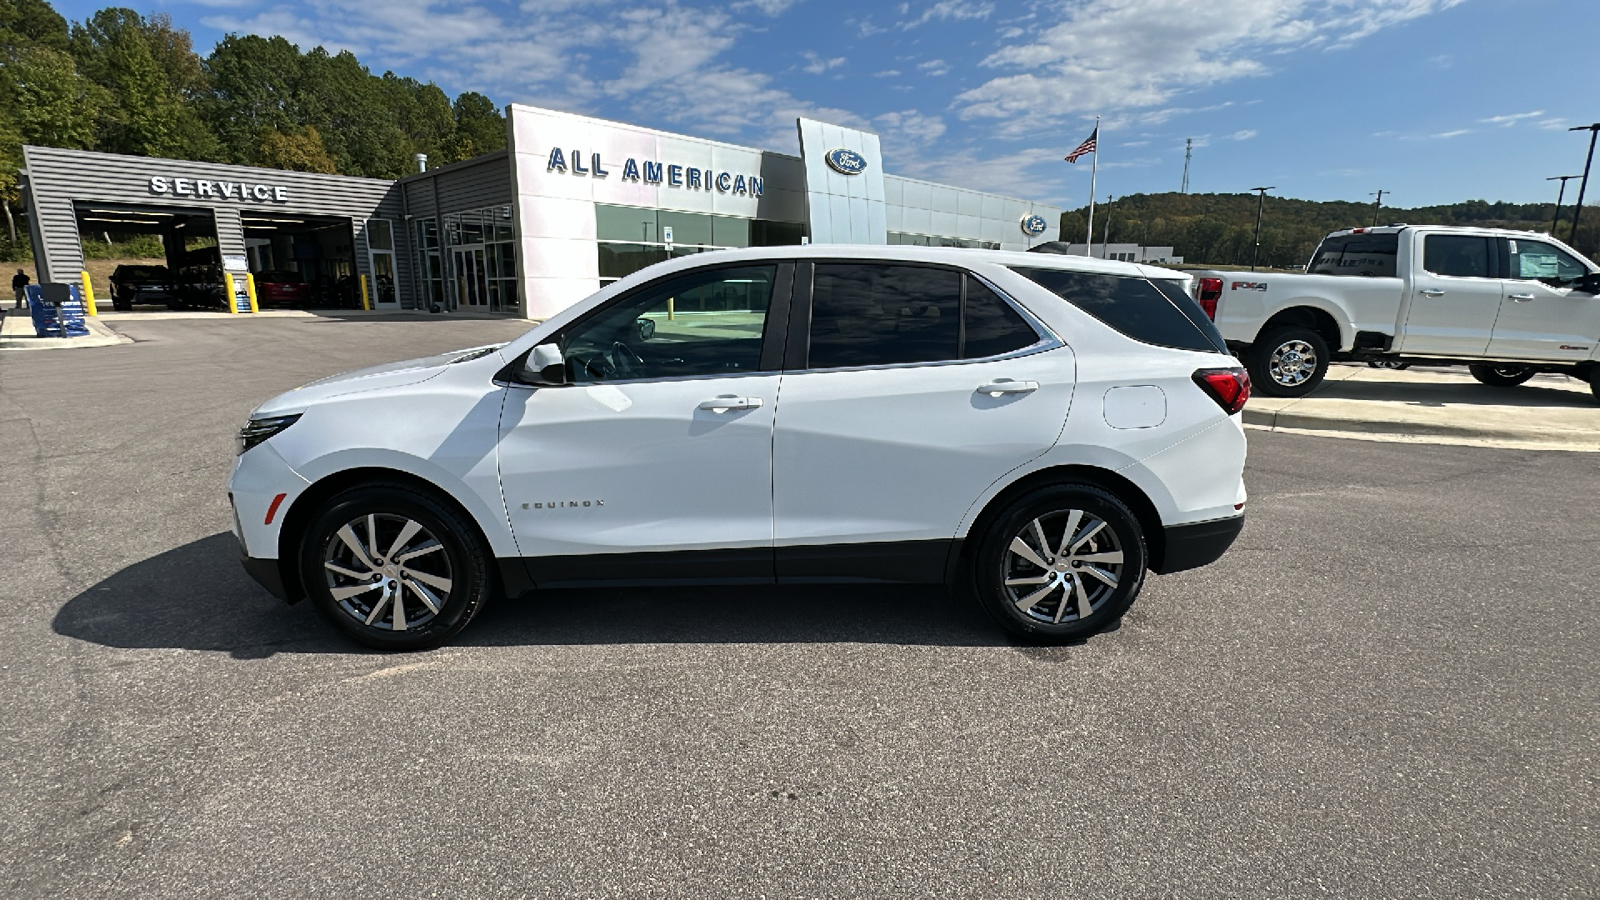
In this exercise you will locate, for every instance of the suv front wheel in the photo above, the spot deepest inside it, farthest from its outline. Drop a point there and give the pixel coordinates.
(394, 568)
(1060, 563)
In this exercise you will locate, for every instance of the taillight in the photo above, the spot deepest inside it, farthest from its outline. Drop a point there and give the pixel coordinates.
(1229, 387)
(1208, 291)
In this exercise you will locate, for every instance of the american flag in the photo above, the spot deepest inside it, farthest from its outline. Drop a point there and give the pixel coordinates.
(1088, 146)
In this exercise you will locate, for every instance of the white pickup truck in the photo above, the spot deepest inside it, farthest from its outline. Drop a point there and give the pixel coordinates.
(1508, 304)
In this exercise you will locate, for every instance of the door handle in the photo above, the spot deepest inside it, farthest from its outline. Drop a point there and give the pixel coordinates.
(723, 404)
(1006, 386)
(1521, 298)
(1433, 292)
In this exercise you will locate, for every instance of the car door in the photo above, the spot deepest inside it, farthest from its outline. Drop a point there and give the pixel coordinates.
(655, 460)
(908, 391)
(1455, 296)
(1542, 317)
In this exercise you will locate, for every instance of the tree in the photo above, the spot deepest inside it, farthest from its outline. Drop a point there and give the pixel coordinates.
(30, 23)
(251, 91)
(422, 112)
(150, 75)
(343, 101)
(480, 128)
(301, 151)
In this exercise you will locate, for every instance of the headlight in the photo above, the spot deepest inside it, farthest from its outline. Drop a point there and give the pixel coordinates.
(257, 430)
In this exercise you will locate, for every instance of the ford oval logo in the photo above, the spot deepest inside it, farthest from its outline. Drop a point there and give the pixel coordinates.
(846, 162)
(1033, 226)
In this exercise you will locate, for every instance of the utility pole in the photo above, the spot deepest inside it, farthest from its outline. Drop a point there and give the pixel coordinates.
(1188, 153)
(1105, 241)
(1577, 211)
(1556, 219)
(1260, 206)
(1377, 206)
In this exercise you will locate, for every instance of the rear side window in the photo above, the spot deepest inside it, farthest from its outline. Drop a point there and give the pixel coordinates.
(864, 314)
(1456, 255)
(1368, 255)
(873, 314)
(993, 328)
(1131, 305)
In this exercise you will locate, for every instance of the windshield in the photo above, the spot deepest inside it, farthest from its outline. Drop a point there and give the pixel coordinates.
(1366, 255)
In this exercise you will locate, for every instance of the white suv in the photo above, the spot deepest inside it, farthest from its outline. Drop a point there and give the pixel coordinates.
(1036, 429)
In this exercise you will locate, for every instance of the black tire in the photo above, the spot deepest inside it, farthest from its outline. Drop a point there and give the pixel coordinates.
(1288, 362)
(1594, 382)
(1500, 376)
(1054, 508)
(1388, 364)
(122, 305)
(399, 595)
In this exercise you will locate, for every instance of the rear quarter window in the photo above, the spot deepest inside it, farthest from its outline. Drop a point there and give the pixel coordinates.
(1133, 306)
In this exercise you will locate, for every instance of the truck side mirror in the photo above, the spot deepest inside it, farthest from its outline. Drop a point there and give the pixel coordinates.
(1588, 284)
(544, 366)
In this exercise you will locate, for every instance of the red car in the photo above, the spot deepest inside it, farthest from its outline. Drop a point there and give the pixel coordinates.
(281, 289)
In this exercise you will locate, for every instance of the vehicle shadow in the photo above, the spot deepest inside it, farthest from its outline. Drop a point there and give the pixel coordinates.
(1532, 395)
(197, 597)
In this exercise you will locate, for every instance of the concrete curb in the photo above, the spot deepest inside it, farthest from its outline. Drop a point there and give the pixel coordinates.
(16, 333)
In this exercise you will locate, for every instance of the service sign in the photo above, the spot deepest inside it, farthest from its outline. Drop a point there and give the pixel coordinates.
(208, 189)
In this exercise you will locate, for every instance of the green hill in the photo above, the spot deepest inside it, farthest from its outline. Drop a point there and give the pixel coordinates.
(1219, 229)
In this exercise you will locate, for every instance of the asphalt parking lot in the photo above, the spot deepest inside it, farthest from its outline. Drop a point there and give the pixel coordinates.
(1387, 688)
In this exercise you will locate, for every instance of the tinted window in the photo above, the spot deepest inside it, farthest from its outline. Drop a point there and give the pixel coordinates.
(993, 327)
(1538, 261)
(1131, 305)
(1178, 293)
(706, 323)
(1370, 255)
(1456, 255)
(864, 314)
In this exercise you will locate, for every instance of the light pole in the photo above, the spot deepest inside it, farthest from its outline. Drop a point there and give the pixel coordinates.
(1377, 206)
(1556, 219)
(1260, 206)
(1577, 211)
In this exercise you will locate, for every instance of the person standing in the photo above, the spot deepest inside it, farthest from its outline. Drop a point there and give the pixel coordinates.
(19, 287)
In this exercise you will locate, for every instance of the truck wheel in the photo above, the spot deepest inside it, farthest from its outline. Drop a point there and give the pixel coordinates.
(1500, 376)
(1288, 362)
(1594, 382)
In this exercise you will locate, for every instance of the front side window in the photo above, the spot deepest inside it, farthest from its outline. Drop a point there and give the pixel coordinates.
(1456, 255)
(1538, 261)
(704, 324)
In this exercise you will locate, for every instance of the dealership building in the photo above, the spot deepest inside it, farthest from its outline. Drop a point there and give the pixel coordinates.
(572, 204)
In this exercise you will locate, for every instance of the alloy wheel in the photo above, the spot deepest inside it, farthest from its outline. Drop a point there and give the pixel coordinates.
(1062, 566)
(1292, 363)
(387, 572)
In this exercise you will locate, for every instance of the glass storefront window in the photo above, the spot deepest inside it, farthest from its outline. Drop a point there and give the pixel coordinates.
(727, 231)
(380, 236)
(622, 260)
(471, 228)
(687, 228)
(625, 223)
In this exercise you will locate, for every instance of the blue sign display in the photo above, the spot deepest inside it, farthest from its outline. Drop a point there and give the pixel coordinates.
(1033, 226)
(846, 162)
(690, 177)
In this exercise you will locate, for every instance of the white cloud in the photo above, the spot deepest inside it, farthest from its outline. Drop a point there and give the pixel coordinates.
(770, 7)
(816, 65)
(909, 128)
(1132, 54)
(886, 73)
(1450, 134)
(1512, 118)
(934, 67)
(1244, 135)
(946, 10)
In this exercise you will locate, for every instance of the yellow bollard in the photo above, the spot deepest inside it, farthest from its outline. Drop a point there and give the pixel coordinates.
(88, 295)
(227, 282)
(671, 308)
(365, 303)
(250, 288)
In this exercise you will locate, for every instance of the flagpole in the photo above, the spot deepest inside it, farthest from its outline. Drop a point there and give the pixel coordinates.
(1094, 174)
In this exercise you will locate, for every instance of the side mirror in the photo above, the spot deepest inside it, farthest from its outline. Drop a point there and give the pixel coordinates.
(1588, 284)
(544, 366)
(647, 328)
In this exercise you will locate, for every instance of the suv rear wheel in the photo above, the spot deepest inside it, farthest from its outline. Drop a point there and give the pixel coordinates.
(1060, 563)
(1288, 362)
(394, 568)
(1500, 376)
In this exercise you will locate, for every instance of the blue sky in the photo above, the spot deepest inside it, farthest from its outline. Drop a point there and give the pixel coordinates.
(1432, 100)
